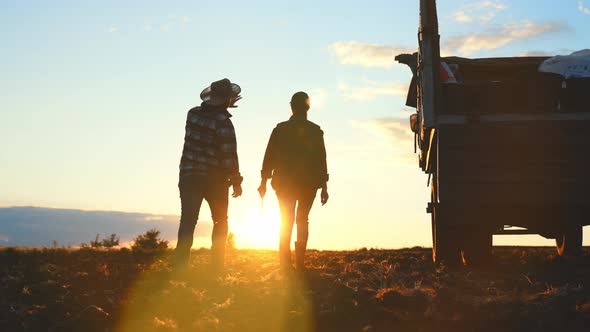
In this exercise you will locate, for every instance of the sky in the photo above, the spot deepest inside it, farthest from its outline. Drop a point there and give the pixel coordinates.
(94, 95)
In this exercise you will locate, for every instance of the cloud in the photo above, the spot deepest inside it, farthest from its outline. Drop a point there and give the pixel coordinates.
(153, 217)
(169, 23)
(490, 4)
(367, 55)
(372, 89)
(395, 129)
(395, 133)
(561, 51)
(148, 24)
(506, 34)
(483, 11)
(28, 226)
(280, 22)
(113, 29)
(583, 8)
(535, 53)
(184, 19)
(462, 17)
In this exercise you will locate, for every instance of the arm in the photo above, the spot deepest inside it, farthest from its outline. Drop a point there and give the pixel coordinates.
(323, 170)
(228, 155)
(268, 164)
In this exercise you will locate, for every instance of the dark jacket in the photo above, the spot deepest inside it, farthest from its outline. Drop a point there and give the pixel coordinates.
(295, 157)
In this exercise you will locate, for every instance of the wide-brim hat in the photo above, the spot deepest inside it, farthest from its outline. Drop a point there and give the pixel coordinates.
(220, 92)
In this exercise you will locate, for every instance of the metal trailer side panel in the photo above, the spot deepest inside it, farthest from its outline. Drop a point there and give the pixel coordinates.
(530, 174)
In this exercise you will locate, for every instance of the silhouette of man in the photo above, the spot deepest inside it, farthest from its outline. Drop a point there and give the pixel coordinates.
(209, 165)
(295, 159)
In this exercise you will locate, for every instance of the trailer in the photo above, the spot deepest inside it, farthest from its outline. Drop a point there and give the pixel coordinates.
(505, 148)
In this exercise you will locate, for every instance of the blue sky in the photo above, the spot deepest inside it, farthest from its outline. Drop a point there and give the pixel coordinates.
(93, 97)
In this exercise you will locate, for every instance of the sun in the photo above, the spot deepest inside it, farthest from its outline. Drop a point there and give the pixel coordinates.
(259, 228)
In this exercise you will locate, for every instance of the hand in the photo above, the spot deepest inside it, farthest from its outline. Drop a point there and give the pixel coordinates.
(324, 196)
(237, 190)
(262, 189)
(233, 101)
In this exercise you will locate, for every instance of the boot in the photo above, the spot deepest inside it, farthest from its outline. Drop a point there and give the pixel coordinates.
(217, 258)
(285, 260)
(181, 260)
(300, 256)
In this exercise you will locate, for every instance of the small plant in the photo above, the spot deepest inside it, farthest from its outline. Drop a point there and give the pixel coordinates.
(111, 241)
(108, 243)
(96, 243)
(150, 242)
(230, 243)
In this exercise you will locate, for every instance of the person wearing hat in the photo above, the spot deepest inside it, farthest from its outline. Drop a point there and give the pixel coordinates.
(208, 167)
(295, 160)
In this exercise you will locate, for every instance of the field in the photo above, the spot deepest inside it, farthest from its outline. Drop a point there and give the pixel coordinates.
(525, 289)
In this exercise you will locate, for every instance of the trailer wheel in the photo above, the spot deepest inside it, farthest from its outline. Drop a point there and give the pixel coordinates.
(477, 247)
(445, 242)
(570, 242)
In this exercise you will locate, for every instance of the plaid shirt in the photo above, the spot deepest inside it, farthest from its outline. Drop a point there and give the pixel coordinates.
(210, 144)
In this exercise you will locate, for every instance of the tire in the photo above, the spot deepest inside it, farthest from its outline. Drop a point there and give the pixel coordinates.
(570, 242)
(445, 242)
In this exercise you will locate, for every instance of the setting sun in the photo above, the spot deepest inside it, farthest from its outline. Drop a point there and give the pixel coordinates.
(259, 228)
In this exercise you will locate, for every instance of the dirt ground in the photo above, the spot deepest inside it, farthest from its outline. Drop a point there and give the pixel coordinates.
(525, 289)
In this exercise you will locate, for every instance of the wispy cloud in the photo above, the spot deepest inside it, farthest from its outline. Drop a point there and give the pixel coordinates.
(583, 8)
(153, 217)
(482, 11)
(170, 23)
(394, 133)
(535, 53)
(280, 22)
(113, 28)
(462, 17)
(561, 51)
(395, 129)
(148, 24)
(496, 38)
(184, 19)
(174, 22)
(367, 55)
(370, 90)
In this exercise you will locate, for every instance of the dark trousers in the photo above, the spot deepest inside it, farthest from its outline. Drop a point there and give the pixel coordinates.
(295, 206)
(193, 189)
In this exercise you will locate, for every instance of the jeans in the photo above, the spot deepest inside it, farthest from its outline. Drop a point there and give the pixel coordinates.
(295, 206)
(193, 189)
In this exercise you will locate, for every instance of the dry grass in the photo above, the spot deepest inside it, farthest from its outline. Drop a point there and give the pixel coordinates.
(526, 289)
